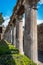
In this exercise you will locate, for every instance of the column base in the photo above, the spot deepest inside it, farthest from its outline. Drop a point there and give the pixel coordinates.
(22, 53)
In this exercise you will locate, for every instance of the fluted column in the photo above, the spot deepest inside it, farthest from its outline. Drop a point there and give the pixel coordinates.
(30, 32)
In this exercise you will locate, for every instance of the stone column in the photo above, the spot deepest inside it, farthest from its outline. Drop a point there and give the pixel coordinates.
(17, 34)
(21, 36)
(30, 33)
(11, 34)
(14, 35)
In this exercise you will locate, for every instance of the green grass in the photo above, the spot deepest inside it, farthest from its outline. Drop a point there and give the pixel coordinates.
(7, 48)
(15, 59)
(7, 58)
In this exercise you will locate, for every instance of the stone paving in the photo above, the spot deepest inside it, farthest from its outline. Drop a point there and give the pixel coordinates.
(40, 63)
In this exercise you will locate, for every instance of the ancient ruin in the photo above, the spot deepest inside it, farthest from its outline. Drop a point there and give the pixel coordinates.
(25, 41)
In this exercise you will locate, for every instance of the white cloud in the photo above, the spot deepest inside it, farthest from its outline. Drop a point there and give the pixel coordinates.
(41, 1)
(23, 21)
(7, 19)
(39, 21)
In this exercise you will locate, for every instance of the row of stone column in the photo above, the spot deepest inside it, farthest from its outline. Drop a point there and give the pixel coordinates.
(30, 34)
(10, 35)
(7, 35)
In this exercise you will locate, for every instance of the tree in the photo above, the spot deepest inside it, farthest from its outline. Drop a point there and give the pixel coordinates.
(1, 19)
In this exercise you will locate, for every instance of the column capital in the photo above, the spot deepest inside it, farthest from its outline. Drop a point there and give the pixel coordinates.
(31, 3)
(14, 22)
(20, 18)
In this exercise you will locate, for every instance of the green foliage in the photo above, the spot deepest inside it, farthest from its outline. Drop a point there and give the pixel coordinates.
(8, 58)
(1, 19)
(15, 59)
(6, 48)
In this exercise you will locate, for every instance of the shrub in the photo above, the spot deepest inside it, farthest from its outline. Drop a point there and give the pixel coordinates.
(6, 48)
(9, 55)
(15, 59)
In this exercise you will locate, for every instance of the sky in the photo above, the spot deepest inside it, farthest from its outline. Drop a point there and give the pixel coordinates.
(6, 7)
(40, 12)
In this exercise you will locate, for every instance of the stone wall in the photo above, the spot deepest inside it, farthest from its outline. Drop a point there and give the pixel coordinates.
(40, 37)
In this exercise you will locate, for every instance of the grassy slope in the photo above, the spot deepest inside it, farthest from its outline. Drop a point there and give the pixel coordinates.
(9, 57)
(7, 48)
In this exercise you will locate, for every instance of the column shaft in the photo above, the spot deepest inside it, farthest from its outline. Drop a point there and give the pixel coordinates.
(30, 33)
(14, 35)
(21, 37)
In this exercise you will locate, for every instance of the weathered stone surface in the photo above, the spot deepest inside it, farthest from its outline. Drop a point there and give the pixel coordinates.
(19, 36)
(14, 35)
(30, 33)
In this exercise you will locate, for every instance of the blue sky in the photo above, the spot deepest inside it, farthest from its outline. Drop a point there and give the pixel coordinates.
(40, 12)
(6, 7)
